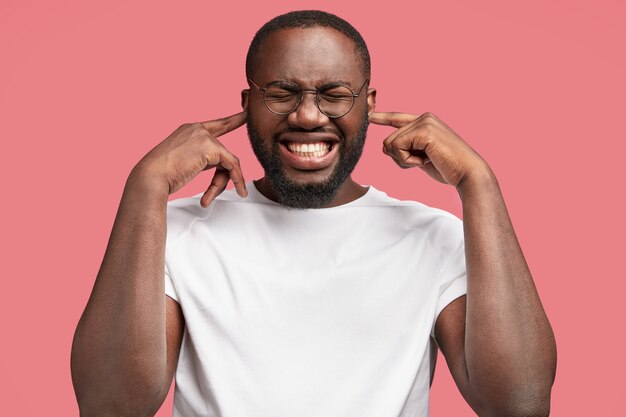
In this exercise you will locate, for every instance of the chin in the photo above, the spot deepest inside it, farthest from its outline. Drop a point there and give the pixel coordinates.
(304, 178)
(301, 188)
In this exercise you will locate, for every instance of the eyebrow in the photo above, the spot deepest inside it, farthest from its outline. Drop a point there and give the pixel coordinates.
(347, 83)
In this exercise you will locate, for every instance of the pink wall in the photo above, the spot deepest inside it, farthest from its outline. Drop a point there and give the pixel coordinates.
(538, 90)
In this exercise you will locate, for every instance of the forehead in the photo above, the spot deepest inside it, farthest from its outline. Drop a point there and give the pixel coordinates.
(308, 56)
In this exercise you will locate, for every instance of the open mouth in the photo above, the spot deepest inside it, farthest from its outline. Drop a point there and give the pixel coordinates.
(309, 156)
(310, 150)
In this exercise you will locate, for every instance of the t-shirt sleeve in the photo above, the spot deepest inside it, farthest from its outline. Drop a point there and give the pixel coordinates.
(181, 214)
(170, 288)
(450, 291)
(453, 273)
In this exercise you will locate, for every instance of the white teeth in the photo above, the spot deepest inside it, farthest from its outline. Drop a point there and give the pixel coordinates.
(314, 150)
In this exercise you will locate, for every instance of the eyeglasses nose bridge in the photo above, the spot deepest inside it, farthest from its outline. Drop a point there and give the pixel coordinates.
(316, 99)
(317, 96)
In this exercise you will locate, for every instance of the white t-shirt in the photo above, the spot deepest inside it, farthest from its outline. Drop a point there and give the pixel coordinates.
(309, 313)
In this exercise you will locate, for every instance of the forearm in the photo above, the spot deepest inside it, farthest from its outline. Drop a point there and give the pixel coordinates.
(509, 345)
(119, 349)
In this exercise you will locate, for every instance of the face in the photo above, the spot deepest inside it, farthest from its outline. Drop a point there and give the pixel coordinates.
(307, 156)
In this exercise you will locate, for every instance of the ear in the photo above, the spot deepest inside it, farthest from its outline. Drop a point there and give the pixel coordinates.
(371, 100)
(245, 97)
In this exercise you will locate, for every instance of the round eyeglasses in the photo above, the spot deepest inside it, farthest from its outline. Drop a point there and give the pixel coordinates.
(283, 97)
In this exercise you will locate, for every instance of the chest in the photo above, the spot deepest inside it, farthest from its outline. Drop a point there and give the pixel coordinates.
(356, 284)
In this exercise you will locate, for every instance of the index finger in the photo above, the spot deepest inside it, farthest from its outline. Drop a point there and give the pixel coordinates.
(224, 125)
(394, 119)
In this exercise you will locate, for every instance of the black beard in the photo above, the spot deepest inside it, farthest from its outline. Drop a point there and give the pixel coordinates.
(305, 196)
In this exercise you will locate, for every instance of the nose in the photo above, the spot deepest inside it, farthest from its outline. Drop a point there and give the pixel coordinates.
(307, 116)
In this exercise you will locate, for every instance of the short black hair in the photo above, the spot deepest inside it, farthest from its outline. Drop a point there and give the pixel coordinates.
(306, 19)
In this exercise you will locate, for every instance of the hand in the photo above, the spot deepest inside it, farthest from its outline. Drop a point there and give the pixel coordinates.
(191, 149)
(427, 142)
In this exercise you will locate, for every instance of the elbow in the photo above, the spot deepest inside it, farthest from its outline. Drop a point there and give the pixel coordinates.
(102, 400)
(118, 408)
(538, 409)
(99, 394)
(535, 404)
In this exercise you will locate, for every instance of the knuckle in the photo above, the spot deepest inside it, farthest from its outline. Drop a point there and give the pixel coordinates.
(214, 145)
(404, 164)
(211, 157)
(427, 128)
(197, 126)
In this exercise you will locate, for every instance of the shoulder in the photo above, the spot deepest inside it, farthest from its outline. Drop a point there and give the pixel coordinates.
(439, 225)
(182, 213)
(185, 213)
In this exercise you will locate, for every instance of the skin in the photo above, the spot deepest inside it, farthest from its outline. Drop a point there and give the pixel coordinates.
(497, 340)
(311, 58)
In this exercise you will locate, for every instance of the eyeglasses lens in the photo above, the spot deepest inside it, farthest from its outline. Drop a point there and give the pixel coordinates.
(283, 98)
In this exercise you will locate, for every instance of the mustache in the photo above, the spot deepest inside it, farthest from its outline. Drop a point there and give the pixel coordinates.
(326, 130)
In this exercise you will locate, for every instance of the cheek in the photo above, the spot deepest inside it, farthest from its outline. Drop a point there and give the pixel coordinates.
(351, 127)
(265, 122)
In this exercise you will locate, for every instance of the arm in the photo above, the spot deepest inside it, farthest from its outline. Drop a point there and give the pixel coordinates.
(122, 361)
(497, 340)
(127, 341)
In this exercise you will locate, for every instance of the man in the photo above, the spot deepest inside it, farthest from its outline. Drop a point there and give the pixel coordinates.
(305, 293)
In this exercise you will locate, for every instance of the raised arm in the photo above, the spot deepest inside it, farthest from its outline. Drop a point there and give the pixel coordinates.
(497, 340)
(127, 341)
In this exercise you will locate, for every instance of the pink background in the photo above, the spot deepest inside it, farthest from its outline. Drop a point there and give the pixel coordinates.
(538, 89)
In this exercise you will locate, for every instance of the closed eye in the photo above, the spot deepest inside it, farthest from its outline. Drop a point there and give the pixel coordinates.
(280, 96)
